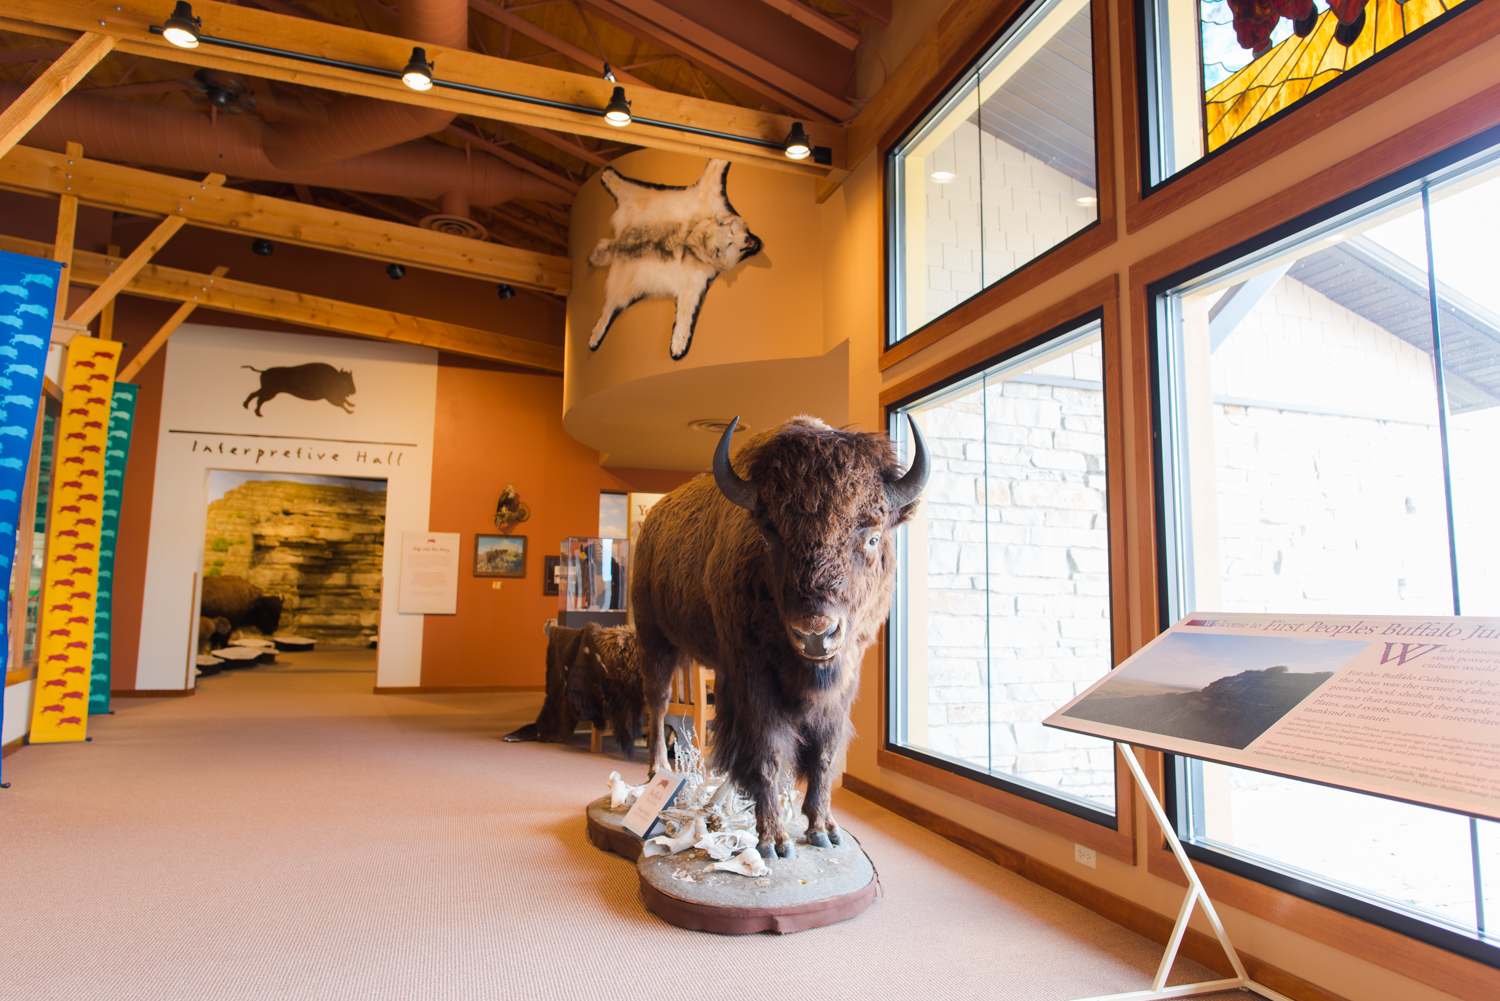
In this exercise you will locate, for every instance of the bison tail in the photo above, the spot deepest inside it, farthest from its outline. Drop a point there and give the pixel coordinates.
(603, 254)
(252, 368)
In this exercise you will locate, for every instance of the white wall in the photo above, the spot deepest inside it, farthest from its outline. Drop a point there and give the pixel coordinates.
(17, 711)
(204, 426)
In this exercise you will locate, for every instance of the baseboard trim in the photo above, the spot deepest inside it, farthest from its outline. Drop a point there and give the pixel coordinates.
(152, 693)
(14, 746)
(1142, 920)
(454, 689)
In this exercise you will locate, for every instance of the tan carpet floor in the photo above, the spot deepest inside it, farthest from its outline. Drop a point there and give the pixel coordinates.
(287, 834)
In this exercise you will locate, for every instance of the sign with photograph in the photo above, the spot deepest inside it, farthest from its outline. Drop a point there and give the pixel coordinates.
(1400, 706)
(499, 556)
(429, 573)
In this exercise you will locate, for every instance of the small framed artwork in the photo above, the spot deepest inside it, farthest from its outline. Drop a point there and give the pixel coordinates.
(550, 567)
(499, 556)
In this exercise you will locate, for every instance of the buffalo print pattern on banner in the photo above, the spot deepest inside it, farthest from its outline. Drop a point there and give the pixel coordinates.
(70, 579)
(121, 418)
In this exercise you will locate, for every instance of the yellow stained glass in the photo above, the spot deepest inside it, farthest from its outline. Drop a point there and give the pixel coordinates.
(1294, 68)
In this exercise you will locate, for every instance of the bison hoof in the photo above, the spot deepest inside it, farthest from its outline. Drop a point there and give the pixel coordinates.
(787, 850)
(835, 835)
(766, 850)
(818, 839)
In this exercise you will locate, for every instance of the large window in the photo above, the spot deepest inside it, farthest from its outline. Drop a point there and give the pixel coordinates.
(1000, 172)
(1003, 583)
(1216, 70)
(1330, 416)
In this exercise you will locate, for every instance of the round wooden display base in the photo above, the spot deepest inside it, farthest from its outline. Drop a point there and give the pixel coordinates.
(819, 887)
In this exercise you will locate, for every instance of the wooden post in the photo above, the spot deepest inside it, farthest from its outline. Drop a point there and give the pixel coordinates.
(62, 246)
(107, 314)
(49, 88)
(160, 337)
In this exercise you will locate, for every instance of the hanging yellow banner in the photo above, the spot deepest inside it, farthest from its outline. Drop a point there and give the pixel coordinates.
(70, 580)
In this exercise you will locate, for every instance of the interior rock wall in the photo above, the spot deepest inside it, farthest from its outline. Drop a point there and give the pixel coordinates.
(319, 547)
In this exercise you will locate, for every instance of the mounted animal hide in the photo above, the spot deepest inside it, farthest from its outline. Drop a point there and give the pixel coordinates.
(669, 241)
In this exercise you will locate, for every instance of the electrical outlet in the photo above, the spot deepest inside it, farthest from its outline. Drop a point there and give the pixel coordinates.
(1084, 856)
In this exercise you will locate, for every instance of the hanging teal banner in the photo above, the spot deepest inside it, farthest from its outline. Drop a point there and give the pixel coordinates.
(116, 453)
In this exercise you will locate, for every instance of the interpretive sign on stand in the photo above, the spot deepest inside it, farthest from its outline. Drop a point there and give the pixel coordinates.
(429, 573)
(1403, 707)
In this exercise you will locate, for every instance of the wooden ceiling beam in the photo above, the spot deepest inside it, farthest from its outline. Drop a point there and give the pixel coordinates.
(130, 21)
(564, 145)
(519, 24)
(878, 11)
(127, 269)
(817, 21)
(235, 211)
(159, 339)
(245, 299)
(49, 88)
(665, 26)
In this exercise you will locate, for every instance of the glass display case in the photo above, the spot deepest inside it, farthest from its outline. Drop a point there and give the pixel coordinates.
(593, 581)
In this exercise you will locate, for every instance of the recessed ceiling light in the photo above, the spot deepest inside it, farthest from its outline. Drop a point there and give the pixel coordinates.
(1086, 200)
(181, 29)
(943, 176)
(716, 425)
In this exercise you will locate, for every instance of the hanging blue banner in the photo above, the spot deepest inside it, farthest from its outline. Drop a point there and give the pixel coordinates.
(28, 296)
(116, 453)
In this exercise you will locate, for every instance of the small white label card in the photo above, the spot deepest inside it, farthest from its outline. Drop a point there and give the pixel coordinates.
(660, 792)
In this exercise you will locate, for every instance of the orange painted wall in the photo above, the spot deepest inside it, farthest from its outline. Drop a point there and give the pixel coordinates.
(495, 426)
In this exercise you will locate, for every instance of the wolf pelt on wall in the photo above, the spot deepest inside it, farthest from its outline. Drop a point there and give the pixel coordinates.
(669, 241)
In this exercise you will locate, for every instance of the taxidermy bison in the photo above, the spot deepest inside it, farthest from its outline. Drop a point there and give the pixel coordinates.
(242, 603)
(669, 241)
(313, 381)
(594, 674)
(778, 575)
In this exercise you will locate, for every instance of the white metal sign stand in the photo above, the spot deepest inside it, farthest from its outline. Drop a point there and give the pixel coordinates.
(1196, 894)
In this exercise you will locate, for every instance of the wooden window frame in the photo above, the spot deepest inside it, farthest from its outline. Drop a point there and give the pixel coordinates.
(1100, 300)
(1465, 129)
(1052, 262)
(1144, 204)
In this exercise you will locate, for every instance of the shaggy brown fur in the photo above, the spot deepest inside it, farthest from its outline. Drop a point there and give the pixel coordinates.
(593, 674)
(714, 583)
(242, 603)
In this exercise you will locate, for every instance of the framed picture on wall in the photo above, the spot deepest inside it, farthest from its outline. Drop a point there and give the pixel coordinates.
(550, 566)
(499, 556)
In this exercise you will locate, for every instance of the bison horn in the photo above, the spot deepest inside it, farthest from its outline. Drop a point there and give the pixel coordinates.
(741, 492)
(909, 487)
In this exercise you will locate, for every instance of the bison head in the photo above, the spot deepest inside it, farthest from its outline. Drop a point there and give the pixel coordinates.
(825, 502)
(265, 615)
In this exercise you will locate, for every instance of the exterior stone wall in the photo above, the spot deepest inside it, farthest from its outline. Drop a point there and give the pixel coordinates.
(1018, 575)
(1002, 208)
(319, 547)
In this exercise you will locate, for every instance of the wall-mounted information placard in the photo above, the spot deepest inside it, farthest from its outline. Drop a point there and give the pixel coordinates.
(1399, 706)
(429, 573)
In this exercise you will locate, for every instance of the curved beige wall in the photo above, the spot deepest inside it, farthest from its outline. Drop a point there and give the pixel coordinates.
(759, 347)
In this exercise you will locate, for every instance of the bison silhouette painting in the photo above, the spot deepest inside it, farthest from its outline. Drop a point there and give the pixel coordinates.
(313, 381)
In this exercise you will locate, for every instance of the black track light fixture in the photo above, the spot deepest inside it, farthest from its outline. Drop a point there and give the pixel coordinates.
(181, 29)
(262, 248)
(617, 111)
(505, 291)
(418, 72)
(798, 145)
(609, 74)
(395, 272)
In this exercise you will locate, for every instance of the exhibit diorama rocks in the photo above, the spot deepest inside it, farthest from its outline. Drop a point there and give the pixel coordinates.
(319, 547)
